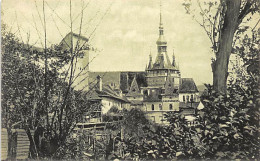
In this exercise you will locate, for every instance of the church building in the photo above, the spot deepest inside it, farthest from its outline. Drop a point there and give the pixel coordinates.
(166, 91)
(158, 90)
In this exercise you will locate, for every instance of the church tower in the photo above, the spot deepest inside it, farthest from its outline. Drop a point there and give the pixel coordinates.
(162, 69)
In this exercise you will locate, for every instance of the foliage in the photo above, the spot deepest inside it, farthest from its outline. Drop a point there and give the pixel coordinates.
(227, 128)
(33, 97)
(225, 23)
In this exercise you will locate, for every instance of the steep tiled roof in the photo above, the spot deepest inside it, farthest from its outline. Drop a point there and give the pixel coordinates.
(126, 79)
(162, 61)
(93, 96)
(134, 90)
(107, 91)
(187, 85)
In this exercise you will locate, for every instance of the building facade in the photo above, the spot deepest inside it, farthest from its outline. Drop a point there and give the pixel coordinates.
(157, 91)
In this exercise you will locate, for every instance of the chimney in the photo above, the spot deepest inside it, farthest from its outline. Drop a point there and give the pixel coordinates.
(99, 83)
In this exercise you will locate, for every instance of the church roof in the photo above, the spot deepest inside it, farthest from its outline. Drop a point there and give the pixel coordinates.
(108, 78)
(188, 86)
(162, 61)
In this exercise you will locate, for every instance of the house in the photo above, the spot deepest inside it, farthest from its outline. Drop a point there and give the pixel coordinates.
(188, 96)
(134, 95)
(105, 97)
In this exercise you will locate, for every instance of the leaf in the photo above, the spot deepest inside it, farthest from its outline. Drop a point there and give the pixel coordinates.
(223, 126)
(236, 136)
(179, 154)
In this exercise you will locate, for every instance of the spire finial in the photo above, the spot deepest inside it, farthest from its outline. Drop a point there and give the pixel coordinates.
(160, 13)
(161, 24)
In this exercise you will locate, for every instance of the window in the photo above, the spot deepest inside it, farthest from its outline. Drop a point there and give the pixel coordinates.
(161, 118)
(160, 107)
(183, 98)
(153, 118)
(170, 107)
(188, 98)
(152, 107)
(191, 98)
(161, 32)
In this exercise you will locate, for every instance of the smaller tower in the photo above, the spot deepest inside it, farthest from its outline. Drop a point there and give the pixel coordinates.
(150, 65)
(173, 59)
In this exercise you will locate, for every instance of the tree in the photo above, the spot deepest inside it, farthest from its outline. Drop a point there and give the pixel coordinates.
(39, 84)
(38, 91)
(222, 30)
(226, 129)
(23, 93)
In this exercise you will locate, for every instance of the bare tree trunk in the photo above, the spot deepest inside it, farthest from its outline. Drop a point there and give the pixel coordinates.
(220, 65)
(33, 149)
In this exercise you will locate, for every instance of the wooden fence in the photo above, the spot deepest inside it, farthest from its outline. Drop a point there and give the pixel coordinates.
(20, 144)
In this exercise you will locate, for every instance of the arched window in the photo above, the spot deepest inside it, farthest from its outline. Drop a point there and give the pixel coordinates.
(170, 107)
(188, 98)
(152, 107)
(160, 107)
(183, 98)
(191, 98)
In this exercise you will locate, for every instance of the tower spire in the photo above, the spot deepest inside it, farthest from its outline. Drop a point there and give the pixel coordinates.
(162, 60)
(161, 24)
(161, 13)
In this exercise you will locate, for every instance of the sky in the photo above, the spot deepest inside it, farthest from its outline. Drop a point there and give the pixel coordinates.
(123, 31)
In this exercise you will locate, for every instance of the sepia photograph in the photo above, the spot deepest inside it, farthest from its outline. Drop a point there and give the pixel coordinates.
(130, 80)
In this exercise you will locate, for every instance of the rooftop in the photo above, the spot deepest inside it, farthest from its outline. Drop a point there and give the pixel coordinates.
(187, 86)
